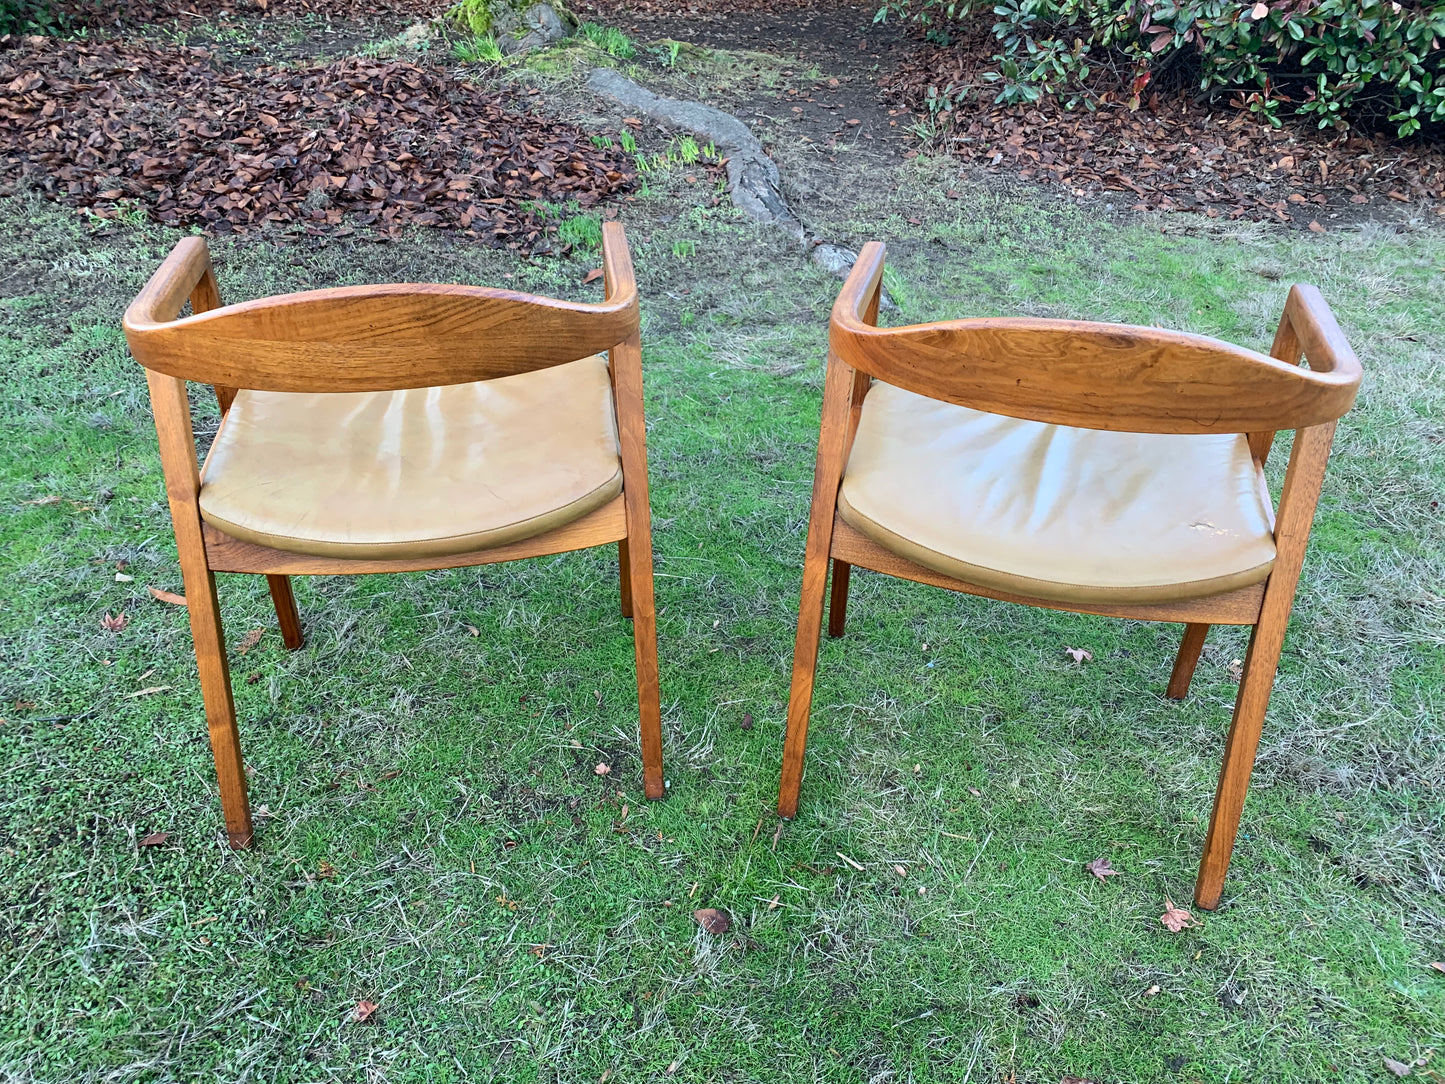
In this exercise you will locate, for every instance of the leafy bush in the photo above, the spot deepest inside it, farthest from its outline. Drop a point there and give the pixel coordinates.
(27, 17)
(1330, 60)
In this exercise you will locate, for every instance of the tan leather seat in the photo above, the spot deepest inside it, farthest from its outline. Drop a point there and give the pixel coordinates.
(419, 473)
(1071, 515)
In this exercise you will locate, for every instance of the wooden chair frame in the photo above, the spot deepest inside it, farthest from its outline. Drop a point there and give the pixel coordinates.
(1097, 376)
(377, 338)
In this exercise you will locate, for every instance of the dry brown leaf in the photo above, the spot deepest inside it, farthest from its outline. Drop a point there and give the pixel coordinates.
(712, 920)
(1438, 966)
(1399, 1068)
(592, 276)
(1315, 227)
(1101, 869)
(473, 630)
(1152, 991)
(603, 769)
(250, 640)
(114, 622)
(167, 596)
(155, 839)
(364, 1011)
(747, 723)
(1079, 654)
(325, 870)
(1176, 919)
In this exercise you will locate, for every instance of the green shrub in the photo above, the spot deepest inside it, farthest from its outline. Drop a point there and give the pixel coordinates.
(1330, 60)
(27, 17)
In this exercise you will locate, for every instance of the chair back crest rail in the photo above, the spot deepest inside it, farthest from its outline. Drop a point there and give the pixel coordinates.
(1105, 376)
(365, 338)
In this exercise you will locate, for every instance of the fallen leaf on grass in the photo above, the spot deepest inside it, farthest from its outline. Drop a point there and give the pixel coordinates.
(49, 498)
(147, 691)
(250, 640)
(1176, 919)
(603, 769)
(747, 723)
(121, 577)
(975, 792)
(1399, 1068)
(1100, 868)
(364, 1011)
(155, 839)
(712, 920)
(325, 870)
(167, 596)
(473, 630)
(592, 276)
(114, 622)
(1079, 654)
(1152, 991)
(1439, 967)
(1315, 227)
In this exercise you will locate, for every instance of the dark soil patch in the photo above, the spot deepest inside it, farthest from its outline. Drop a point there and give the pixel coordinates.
(1169, 151)
(1172, 153)
(839, 40)
(353, 143)
(110, 15)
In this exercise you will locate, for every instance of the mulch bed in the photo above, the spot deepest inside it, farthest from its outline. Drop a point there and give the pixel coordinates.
(353, 143)
(110, 14)
(1172, 153)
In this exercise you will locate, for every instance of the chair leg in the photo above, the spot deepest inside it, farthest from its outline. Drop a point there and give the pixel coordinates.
(1260, 664)
(215, 674)
(838, 599)
(644, 638)
(624, 567)
(286, 613)
(800, 696)
(1186, 661)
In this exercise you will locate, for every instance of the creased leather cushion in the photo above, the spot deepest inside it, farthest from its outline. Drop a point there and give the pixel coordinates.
(419, 473)
(1070, 515)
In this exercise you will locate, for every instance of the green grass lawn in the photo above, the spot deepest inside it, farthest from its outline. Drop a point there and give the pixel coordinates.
(433, 837)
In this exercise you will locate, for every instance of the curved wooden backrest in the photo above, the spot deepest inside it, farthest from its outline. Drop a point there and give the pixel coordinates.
(1102, 376)
(371, 338)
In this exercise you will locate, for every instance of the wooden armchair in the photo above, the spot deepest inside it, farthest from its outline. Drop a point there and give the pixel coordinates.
(392, 429)
(1077, 466)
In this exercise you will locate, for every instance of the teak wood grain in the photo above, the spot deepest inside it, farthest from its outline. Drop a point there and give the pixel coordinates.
(1097, 376)
(375, 338)
(366, 338)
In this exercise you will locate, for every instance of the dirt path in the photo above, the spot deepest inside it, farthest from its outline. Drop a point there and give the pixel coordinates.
(832, 96)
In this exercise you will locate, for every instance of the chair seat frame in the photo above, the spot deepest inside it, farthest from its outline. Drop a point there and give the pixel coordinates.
(367, 339)
(1093, 376)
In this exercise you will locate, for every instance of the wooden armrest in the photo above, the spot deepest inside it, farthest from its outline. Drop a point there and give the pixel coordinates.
(1319, 336)
(185, 275)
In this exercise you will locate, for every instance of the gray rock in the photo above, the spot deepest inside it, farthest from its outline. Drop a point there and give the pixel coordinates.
(523, 31)
(834, 259)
